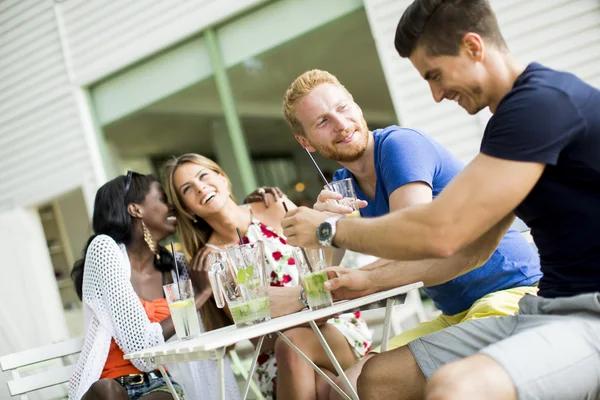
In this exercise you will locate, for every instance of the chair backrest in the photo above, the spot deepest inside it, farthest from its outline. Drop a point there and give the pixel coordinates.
(48, 359)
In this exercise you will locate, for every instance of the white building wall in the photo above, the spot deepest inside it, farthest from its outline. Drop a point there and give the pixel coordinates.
(104, 36)
(561, 34)
(31, 311)
(42, 149)
(48, 51)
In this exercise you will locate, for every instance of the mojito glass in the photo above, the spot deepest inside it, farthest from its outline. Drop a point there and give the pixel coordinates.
(238, 278)
(311, 264)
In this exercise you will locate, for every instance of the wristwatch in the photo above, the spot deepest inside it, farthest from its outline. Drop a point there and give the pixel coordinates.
(302, 297)
(326, 231)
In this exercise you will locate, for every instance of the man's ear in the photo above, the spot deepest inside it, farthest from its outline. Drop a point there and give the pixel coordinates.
(304, 143)
(134, 210)
(474, 46)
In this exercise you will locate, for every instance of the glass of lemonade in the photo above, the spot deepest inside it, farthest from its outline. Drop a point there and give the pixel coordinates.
(180, 297)
(238, 278)
(311, 264)
(345, 187)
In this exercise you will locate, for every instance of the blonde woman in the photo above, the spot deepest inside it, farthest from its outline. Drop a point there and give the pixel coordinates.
(207, 219)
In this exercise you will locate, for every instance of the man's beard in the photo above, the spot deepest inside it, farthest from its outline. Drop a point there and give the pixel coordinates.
(350, 154)
(477, 91)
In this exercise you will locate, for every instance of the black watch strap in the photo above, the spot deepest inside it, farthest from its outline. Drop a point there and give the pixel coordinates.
(302, 297)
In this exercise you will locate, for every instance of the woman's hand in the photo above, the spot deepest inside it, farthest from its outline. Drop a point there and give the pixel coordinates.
(198, 270)
(284, 300)
(261, 194)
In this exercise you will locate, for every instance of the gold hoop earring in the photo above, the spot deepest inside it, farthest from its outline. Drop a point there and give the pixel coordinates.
(148, 239)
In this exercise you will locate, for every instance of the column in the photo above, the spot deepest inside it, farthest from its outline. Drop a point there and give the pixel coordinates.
(230, 143)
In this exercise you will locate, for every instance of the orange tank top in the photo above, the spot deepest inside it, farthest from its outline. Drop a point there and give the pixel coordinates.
(157, 311)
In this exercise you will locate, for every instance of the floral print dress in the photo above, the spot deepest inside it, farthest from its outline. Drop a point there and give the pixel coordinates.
(282, 271)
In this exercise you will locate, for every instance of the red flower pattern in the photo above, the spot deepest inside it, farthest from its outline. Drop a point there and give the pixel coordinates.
(267, 232)
(280, 274)
(262, 358)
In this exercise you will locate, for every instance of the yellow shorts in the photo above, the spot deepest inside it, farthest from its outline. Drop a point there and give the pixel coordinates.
(497, 304)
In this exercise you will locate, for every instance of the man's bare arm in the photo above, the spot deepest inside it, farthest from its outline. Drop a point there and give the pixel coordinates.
(408, 195)
(440, 270)
(391, 274)
(479, 197)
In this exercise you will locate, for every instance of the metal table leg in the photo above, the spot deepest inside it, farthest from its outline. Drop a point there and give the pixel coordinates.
(221, 371)
(333, 360)
(314, 366)
(168, 381)
(253, 367)
(389, 305)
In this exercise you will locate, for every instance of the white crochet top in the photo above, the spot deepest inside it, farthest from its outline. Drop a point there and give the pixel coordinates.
(112, 309)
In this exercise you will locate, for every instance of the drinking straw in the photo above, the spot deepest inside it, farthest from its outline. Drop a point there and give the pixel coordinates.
(175, 261)
(176, 270)
(302, 248)
(310, 269)
(239, 236)
(245, 293)
(317, 167)
(186, 326)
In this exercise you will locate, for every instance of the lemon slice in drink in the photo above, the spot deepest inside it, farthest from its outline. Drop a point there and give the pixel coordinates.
(182, 303)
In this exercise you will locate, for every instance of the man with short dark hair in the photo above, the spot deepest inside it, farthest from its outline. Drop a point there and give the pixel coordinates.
(540, 158)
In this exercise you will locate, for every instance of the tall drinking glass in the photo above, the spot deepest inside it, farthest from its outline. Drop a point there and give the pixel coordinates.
(311, 264)
(238, 276)
(180, 296)
(345, 187)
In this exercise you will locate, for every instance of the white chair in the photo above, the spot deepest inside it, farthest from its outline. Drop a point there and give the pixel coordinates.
(411, 309)
(42, 367)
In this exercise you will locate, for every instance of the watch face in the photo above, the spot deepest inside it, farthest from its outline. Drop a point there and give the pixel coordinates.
(324, 231)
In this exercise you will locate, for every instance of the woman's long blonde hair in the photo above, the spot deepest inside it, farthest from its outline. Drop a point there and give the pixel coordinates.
(194, 232)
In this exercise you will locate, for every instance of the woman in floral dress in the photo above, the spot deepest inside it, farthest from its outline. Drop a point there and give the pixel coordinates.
(207, 219)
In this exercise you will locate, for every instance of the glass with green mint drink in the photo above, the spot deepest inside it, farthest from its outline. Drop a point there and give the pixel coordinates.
(311, 264)
(238, 278)
(316, 295)
(250, 312)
